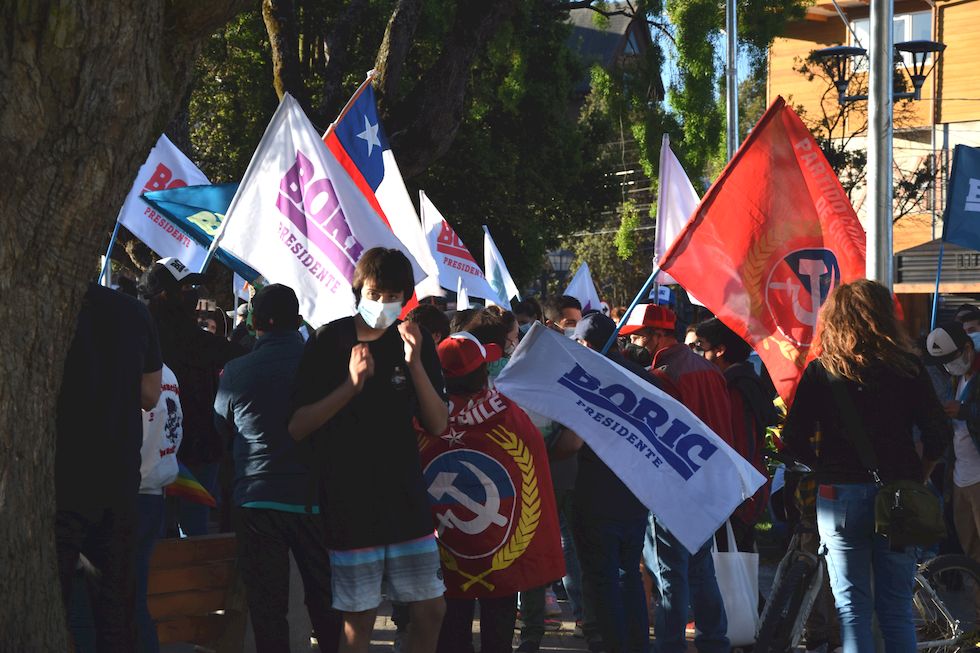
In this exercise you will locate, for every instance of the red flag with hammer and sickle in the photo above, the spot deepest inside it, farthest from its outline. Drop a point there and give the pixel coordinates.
(769, 241)
(492, 501)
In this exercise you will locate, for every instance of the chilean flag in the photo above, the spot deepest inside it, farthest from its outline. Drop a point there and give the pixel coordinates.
(360, 145)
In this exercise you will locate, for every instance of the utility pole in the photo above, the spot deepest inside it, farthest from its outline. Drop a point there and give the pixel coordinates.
(731, 76)
(881, 86)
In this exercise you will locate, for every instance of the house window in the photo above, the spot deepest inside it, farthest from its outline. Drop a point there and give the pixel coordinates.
(915, 26)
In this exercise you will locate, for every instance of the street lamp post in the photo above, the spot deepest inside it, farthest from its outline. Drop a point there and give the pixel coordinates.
(881, 96)
(560, 261)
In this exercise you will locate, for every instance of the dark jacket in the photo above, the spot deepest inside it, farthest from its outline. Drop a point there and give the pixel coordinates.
(196, 358)
(752, 412)
(598, 490)
(252, 410)
(888, 404)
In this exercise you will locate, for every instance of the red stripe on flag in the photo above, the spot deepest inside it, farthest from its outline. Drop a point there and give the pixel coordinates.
(337, 149)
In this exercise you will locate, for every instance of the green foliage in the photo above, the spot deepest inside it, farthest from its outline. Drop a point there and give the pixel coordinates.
(521, 163)
(625, 239)
(616, 280)
(232, 99)
(697, 26)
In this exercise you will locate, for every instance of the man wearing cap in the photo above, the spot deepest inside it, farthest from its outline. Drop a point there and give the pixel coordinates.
(272, 482)
(684, 579)
(608, 521)
(196, 357)
(950, 345)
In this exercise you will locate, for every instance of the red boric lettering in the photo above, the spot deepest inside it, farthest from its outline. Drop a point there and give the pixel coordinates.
(460, 265)
(167, 226)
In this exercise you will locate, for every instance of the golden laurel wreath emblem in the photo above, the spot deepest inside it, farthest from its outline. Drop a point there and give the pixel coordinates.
(527, 524)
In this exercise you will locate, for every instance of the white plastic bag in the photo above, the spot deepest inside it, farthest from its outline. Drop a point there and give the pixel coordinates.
(738, 579)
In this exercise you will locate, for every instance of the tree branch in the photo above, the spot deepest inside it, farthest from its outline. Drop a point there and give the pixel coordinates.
(425, 123)
(336, 51)
(280, 23)
(397, 41)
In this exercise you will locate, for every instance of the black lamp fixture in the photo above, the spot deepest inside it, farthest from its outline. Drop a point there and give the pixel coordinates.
(835, 61)
(560, 261)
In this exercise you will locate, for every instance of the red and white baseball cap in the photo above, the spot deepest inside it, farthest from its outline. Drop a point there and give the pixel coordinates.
(461, 353)
(649, 316)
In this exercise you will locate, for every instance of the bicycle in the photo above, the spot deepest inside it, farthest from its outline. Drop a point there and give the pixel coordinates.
(944, 598)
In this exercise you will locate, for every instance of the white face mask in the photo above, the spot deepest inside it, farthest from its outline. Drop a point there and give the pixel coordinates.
(958, 366)
(570, 332)
(378, 315)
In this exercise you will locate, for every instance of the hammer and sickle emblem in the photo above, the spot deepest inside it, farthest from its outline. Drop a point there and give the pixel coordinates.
(486, 513)
(812, 269)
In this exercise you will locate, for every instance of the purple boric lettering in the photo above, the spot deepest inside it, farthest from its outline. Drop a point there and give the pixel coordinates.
(306, 258)
(313, 207)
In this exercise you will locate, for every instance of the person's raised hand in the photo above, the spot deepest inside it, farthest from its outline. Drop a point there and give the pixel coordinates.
(361, 366)
(412, 336)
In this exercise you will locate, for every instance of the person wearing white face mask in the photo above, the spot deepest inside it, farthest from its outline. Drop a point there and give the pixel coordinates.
(361, 384)
(950, 346)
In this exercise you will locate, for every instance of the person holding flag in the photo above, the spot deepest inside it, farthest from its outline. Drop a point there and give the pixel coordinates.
(360, 384)
(491, 499)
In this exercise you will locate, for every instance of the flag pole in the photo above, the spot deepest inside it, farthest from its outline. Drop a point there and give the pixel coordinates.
(935, 296)
(371, 74)
(636, 300)
(108, 252)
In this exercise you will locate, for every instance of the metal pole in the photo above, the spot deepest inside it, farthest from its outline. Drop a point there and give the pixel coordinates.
(881, 81)
(643, 294)
(103, 275)
(935, 296)
(731, 76)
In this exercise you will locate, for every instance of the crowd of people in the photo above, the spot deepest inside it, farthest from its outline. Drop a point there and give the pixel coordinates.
(310, 441)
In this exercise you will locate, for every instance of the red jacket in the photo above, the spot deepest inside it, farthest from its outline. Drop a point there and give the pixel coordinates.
(698, 384)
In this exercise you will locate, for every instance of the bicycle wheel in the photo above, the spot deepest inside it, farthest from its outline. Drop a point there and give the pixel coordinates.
(782, 613)
(946, 603)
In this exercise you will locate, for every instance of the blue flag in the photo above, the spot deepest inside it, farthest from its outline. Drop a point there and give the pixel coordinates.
(198, 212)
(962, 223)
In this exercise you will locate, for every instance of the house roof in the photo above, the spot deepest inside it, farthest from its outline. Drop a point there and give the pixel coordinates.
(595, 44)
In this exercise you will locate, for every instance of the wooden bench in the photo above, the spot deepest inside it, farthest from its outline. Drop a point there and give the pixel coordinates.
(196, 594)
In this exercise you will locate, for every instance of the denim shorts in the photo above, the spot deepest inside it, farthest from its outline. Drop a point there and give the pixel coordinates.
(405, 572)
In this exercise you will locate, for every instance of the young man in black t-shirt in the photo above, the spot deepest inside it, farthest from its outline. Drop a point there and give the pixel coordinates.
(362, 381)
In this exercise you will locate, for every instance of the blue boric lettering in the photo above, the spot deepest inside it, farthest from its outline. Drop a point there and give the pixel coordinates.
(636, 419)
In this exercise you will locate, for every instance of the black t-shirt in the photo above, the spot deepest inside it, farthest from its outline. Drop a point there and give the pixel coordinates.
(99, 419)
(367, 459)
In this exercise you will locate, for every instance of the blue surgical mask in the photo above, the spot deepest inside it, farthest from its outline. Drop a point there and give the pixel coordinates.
(378, 315)
(524, 328)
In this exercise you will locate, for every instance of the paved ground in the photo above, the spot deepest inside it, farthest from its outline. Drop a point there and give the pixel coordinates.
(558, 642)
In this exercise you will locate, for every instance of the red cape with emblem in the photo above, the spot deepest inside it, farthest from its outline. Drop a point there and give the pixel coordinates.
(492, 501)
(769, 241)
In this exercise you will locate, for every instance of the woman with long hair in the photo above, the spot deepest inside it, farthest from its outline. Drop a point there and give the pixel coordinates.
(862, 347)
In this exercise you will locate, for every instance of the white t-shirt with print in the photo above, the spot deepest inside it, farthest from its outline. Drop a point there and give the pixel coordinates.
(163, 429)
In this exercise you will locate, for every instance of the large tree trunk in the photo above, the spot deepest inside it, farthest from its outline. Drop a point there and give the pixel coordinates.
(87, 88)
(423, 125)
